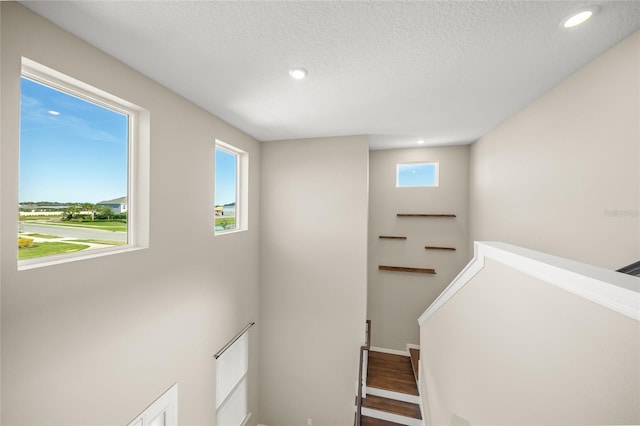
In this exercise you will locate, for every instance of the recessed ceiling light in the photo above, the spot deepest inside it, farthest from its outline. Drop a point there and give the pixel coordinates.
(298, 73)
(420, 142)
(578, 18)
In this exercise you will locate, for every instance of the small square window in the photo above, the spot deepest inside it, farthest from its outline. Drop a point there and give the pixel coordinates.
(231, 166)
(410, 175)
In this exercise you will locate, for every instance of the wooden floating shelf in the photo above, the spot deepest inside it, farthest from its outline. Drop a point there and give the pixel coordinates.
(424, 215)
(440, 248)
(391, 237)
(407, 269)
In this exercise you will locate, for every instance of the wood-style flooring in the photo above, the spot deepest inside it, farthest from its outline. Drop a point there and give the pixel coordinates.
(391, 372)
(372, 421)
(394, 406)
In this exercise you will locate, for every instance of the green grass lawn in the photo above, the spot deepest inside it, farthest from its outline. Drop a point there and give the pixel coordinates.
(228, 222)
(107, 226)
(49, 249)
(112, 243)
(42, 235)
(38, 218)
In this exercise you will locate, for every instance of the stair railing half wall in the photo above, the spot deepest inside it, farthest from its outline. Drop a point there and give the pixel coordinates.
(361, 373)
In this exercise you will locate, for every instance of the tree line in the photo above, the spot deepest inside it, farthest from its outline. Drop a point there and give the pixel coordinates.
(93, 212)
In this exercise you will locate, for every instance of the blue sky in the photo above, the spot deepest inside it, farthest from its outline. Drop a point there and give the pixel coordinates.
(416, 174)
(225, 178)
(71, 150)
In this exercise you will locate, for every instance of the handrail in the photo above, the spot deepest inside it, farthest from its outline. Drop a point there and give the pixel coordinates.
(366, 347)
(232, 341)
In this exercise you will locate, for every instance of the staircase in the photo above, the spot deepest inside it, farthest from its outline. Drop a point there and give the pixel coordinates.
(391, 397)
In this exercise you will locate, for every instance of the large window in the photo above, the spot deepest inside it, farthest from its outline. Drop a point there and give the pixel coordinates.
(78, 148)
(410, 175)
(230, 188)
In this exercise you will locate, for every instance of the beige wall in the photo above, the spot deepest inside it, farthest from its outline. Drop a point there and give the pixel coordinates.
(313, 279)
(96, 341)
(509, 349)
(396, 299)
(563, 175)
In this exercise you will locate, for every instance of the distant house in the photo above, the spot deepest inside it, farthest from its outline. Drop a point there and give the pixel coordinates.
(118, 205)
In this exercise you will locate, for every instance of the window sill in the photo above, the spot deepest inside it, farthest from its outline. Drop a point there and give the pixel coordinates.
(230, 231)
(27, 264)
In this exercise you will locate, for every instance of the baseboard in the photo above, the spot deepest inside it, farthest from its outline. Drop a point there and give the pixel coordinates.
(389, 351)
(412, 346)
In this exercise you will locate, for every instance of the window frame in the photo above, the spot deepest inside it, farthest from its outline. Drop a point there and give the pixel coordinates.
(242, 179)
(436, 165)
(138, 159)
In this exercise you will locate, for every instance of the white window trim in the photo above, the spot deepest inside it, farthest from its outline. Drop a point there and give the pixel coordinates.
(138, 179)
(436, 182)
(242, 187)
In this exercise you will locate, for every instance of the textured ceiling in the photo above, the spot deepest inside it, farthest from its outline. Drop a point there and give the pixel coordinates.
(443, 71)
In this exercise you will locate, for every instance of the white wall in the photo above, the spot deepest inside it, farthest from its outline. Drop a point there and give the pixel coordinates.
(96, 341)
(0, 217)
(511, 349)
(396, 299)
(313, 279)
(563, 175)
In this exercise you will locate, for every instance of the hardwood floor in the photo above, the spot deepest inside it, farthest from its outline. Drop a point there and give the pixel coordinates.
(391, 372)
(392, 406)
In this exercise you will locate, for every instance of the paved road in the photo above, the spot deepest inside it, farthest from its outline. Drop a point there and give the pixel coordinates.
(70, 232)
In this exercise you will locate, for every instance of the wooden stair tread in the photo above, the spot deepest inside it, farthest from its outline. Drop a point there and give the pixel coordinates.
(391, 372)
(415, 361)
(401, 408)
(372, 421)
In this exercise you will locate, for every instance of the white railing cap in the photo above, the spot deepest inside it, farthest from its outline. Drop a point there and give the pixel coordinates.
(614, 290)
